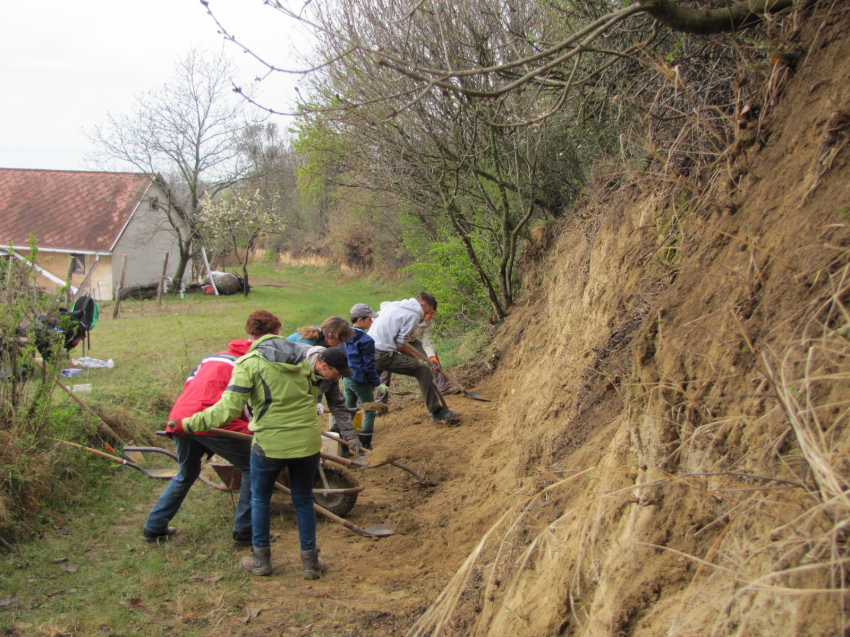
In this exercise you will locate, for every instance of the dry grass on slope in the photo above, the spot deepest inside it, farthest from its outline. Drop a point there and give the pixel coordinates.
(679, 422)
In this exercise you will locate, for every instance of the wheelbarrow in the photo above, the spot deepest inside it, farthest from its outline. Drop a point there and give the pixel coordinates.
(335, 486)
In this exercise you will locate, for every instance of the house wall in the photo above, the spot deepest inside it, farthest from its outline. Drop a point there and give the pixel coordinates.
(57, 264)
(144, 241)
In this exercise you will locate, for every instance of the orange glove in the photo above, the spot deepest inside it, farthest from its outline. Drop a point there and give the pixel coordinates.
(435, 362)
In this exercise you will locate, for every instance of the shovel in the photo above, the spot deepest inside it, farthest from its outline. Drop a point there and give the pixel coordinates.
(474, 395)
(162, 474)
(376, 530)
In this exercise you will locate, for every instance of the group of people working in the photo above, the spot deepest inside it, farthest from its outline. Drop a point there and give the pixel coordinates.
(272, 387)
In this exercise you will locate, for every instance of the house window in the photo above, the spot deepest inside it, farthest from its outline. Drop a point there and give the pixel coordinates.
(79, 263)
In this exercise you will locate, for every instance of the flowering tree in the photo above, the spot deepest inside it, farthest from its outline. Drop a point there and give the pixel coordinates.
(237, 220)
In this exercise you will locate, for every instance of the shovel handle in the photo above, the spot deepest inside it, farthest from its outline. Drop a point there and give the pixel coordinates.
(428, 363)
(279, 487)
(102, 454)
(100, 422)
(330, 516)
(394, 463)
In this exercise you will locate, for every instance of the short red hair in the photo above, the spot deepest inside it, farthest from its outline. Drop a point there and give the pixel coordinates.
(261, 322)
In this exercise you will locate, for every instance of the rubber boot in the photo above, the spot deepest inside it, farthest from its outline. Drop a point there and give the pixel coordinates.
(366, 440)
(314, 566)
(260, 563)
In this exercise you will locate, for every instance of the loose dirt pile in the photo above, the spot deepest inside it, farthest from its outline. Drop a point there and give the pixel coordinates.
(666, 453)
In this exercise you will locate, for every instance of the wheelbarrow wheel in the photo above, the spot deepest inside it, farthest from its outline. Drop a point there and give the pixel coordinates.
(338, 478)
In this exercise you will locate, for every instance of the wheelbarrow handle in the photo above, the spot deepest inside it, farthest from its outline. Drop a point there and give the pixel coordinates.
(240, 436)
(165, 452)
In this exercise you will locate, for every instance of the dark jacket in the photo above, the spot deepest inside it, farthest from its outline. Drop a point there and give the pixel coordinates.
(360, 350)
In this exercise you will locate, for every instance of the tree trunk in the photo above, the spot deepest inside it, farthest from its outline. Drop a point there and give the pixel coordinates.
(185, 253)
(740, 15)
(473, 258)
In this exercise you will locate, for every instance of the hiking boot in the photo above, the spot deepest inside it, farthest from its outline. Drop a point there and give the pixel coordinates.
(314, 565)
(167, 534)
(260, 562)
(365, 440)
(242, 539)
(445, 414)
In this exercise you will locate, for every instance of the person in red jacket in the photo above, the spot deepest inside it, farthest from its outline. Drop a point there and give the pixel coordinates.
(204, 388)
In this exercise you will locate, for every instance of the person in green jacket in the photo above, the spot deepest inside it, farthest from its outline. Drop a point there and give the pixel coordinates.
(278, 382)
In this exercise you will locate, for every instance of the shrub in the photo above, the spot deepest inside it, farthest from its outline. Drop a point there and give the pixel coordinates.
(31, 351)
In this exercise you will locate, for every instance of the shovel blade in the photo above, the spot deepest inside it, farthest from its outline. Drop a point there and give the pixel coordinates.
(134, 456)
(477, 395)
(162, 474)
(380, 530)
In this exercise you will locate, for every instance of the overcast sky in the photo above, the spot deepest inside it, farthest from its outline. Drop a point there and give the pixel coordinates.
(64, 65)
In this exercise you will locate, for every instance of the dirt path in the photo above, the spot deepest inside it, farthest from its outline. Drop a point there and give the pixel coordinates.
(379, 587)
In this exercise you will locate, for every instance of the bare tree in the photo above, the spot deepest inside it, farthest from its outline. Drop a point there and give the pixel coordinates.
(188, 131)
(488, 49)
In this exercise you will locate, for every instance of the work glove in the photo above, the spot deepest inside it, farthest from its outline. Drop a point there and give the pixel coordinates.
(176, 428)
(355, 447)
(435, 362)
(381, 389)
(320, 409)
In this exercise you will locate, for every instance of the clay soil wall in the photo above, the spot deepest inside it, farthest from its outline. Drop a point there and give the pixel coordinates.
(670, 435)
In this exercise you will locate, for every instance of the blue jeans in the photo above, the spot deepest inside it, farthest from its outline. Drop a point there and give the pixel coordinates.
(190, 451)
(302, 473)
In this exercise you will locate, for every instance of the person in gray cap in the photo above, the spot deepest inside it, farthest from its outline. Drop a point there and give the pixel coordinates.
(364, 381)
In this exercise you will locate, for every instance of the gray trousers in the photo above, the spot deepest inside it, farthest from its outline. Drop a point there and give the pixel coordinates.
(394, 362)
(443, 384)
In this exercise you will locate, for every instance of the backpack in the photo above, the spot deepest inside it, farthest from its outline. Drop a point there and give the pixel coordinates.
(86, 311)
(84, 314)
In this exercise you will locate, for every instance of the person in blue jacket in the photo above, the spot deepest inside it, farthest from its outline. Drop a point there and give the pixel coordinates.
(365, 381)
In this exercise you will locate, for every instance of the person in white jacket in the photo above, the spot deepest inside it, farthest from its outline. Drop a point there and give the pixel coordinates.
(392, 332)
(422, 340)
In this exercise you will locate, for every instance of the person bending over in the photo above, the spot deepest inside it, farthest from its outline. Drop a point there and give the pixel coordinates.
(204, 388)
(277, 381)
(391, 332)
(332, 332)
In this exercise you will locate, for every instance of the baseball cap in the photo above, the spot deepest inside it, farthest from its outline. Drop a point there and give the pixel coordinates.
(361, 310)
(337, 359)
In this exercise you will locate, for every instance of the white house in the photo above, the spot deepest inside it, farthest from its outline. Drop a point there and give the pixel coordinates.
(96, 217)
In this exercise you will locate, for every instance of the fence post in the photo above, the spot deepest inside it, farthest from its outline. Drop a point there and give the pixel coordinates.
(120, 288)
(161, 282)
(71, 268)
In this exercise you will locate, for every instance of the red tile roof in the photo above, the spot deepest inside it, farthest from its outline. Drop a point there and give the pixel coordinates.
(64, 209)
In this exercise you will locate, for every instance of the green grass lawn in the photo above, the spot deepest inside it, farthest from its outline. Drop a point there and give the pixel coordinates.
(154, 350)
(90, 573)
